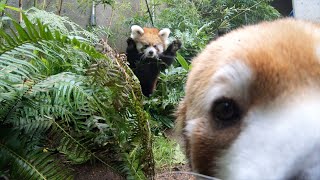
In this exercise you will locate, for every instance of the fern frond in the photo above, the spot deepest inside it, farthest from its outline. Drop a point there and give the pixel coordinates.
(62, 96)
(37, 165)
(133, 120)
(61, 23)
(101, 31)
(76, 149)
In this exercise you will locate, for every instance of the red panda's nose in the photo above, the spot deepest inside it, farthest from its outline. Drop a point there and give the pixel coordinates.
(150, 53)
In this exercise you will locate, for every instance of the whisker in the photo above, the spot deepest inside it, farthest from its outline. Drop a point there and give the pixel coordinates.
(191, 173)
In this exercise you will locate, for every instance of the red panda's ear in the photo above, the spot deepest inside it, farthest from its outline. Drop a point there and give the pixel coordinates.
(164, 34)
(136, 31)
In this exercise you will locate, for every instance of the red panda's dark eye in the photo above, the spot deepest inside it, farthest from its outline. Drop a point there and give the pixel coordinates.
(226, 112)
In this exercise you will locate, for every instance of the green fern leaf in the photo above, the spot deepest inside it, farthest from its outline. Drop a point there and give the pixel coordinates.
(36, 165)
(46, 88)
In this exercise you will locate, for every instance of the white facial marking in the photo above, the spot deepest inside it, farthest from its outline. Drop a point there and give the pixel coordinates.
(190, 126)
(277, 143)
(150, 52)
(160, 48)
(231, 81)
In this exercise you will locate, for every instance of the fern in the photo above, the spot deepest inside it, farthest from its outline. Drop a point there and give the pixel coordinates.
(60, 23)
(57, 91)
(36, 165)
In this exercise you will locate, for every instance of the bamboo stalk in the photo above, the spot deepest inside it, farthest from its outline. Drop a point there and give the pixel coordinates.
(20, 14)
(93, 21)
(44, 4)
(60, 7)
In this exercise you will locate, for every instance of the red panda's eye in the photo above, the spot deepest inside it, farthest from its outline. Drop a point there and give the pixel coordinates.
(226, 112)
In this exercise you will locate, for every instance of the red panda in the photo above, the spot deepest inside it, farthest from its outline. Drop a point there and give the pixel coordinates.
(148, 54)
(251, 108)
(150, 41)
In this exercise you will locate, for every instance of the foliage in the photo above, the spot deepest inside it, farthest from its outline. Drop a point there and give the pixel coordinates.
(61, 24)
(170, 90)
(62, 99)
(167, 153)
(230, 14)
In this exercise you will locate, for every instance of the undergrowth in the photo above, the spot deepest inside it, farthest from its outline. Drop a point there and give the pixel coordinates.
(63, 103)
(167, 154)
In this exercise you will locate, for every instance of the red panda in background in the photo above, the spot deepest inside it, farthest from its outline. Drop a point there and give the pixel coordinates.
(148, 54)
(150, 41)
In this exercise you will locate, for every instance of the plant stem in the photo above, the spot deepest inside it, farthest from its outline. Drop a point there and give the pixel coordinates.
(20, 14)
(60, 7)
(44, 4)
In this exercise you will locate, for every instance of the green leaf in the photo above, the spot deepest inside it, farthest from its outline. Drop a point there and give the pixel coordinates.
(13, 8)
(2, 5)
(34, 165)
(182, 62)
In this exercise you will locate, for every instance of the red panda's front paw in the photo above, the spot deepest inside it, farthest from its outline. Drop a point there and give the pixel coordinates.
(130, 41)
(131, 44)
(176, 45)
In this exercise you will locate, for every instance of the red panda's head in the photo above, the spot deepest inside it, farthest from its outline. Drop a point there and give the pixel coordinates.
(150, 41)
(251, 109)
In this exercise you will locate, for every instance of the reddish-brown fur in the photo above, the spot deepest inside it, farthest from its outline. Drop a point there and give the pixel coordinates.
(150, 37)
(283, 57)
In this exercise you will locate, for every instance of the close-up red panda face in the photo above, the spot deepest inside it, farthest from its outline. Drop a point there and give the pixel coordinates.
(252, 104)
(150, 41)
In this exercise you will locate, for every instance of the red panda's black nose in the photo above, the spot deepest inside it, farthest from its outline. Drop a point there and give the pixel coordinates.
(150, 53)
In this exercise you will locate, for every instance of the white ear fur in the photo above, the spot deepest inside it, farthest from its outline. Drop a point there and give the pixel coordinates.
(136, 31)
(164, 33)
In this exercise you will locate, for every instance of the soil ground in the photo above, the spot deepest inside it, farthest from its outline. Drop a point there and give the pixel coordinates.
(100, 172)
(176, 173)
(94, 172)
